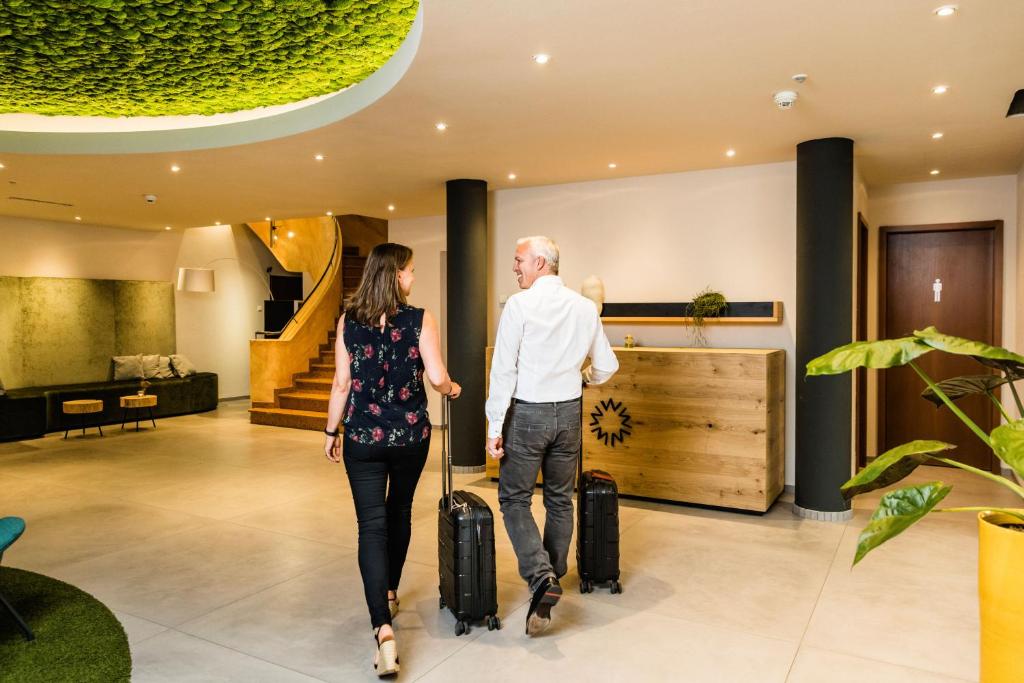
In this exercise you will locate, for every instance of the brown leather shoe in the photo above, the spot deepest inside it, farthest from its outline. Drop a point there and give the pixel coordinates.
(547, 595)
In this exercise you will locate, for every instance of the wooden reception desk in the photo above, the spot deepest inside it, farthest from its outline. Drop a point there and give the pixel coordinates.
(701, 426)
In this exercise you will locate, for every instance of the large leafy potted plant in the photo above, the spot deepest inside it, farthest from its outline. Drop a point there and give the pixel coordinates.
(1001, 530)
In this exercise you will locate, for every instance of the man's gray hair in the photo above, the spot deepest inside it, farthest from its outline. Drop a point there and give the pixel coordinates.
(544, 247)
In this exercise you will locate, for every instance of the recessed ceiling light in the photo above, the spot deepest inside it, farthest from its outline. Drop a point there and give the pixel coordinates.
(175, 168)
(940, 89)
(167, 227)
(319, 157)
(730, 153)
(937, 136)
(613, 165)
(266, 218)
(78, 218)
(542, 58)
(216, 222)
(511, 176)
(330, 213)
(934, 171)
(441, 125)
(945, 10)
(291, 234)
(391, 207)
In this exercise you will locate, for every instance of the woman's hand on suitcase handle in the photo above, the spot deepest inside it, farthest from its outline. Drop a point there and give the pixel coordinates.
(332, 448)
(495, 447)
(456, 390)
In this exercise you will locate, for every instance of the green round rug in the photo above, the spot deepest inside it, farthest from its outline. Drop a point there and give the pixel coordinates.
(77, 637)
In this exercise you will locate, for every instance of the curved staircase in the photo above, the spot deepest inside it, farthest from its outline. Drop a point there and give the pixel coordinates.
(305, 350)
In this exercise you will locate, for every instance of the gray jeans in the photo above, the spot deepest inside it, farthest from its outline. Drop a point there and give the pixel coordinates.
(540, 437)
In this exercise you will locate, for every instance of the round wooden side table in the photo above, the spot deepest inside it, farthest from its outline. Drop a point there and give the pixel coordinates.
(138, 404)
(82, 407)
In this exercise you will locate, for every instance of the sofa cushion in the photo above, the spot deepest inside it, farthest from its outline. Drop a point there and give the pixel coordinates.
(163, 368)
(182, 366)
(127, 367)
(150, 363)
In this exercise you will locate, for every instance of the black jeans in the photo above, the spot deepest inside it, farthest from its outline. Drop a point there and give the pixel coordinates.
(540, 437)
(383, 481)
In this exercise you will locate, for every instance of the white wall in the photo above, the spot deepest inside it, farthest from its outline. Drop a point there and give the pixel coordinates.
(654, 238)
(427, 238)
(214, 328)
(944, 201)
(32, 248)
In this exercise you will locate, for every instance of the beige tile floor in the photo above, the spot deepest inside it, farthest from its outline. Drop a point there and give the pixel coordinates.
(228, 551)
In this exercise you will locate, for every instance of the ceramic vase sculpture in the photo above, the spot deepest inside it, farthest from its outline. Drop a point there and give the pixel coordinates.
(593, 289)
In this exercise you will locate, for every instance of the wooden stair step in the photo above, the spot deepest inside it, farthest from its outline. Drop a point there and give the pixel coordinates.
(314, 383)
(284, 417)
(315, 374)
(322, 367)
(304, 400)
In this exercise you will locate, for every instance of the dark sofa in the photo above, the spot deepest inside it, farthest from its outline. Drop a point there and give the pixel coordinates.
(33, 411)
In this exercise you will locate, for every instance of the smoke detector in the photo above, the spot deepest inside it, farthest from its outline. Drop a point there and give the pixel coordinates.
(784, 99)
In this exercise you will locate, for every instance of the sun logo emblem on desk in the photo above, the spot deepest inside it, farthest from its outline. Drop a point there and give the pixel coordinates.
(610, 422)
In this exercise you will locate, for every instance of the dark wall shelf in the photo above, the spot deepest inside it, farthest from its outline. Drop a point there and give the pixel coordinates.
(738, 312)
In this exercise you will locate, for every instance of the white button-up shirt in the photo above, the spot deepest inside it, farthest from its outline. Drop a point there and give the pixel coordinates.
(545, 334)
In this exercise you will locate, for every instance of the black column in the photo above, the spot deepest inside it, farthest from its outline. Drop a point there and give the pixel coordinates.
(467, 317)
(824, 303)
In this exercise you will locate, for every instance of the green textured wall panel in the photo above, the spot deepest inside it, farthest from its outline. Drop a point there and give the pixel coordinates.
(144, 317)
(64, 330)
(67, 330)
(10, 332)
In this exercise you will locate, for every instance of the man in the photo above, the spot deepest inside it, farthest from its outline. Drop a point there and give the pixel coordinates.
(545, 334)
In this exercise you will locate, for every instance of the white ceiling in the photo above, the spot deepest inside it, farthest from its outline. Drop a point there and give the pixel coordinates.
(655, 86)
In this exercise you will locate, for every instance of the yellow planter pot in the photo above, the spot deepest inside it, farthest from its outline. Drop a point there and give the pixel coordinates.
(1001, 598)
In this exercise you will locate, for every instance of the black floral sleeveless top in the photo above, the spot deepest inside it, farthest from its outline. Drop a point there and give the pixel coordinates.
(387, 405)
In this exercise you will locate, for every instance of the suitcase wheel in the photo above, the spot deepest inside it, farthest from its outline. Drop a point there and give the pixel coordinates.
(493, 623)
(616, 587)
(440, 603)
(586, 587)
(461, 628)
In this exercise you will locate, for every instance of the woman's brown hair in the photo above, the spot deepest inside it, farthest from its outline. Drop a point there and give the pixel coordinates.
(378, 292)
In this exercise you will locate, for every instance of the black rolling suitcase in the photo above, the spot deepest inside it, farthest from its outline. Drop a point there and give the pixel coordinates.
(465, 548)
(597, 529)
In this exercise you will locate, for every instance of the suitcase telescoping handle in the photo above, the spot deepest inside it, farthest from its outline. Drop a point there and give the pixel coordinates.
(579, 456)
(446, 459)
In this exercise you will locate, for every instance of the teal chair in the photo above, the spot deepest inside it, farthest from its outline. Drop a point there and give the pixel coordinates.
(11, 529)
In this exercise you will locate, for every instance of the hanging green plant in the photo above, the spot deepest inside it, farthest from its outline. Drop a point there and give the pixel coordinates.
(179, 57)
(707, 304)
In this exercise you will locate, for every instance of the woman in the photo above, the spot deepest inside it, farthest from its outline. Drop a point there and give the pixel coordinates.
(383, 348)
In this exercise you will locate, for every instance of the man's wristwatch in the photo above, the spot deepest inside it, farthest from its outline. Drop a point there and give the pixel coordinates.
(330, 433)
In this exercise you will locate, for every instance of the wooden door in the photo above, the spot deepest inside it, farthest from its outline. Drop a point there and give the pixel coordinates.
(966, 260)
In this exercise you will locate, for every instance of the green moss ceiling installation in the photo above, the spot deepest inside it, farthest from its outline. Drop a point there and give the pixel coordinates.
(179, 57)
